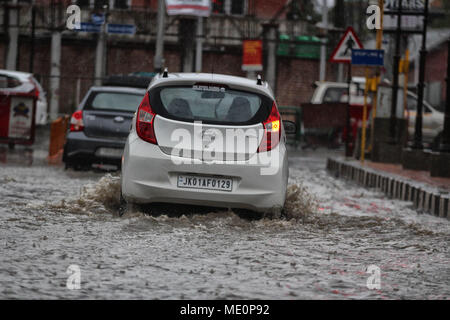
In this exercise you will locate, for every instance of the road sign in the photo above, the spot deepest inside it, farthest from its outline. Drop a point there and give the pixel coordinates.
(88, 27)
(343, 52)
(112, 28)
(121, 28)
(369, 58)
(98, 19)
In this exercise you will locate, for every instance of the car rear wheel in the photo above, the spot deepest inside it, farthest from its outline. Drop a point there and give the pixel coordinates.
(123, 205)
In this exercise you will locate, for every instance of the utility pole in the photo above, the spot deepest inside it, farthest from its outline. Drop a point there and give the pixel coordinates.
(55, 64)
(33, 35)
(158, 61)
(13, 34)
(199, 47)
(379, 40)
(270, 39)
(323, 47)
(348, 152)
(395, 86)
(186, 31)
(101, 50)
(339, 18)
(421, 85)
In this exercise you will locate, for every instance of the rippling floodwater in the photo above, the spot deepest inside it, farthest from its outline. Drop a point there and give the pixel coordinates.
(51, 218)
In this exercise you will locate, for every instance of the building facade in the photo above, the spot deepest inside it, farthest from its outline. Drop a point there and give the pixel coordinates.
(230, 23)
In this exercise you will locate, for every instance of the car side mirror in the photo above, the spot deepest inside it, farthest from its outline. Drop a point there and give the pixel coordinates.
(289, 127)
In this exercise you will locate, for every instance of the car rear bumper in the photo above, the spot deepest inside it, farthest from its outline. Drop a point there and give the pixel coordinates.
(81, 149)
(149, 176)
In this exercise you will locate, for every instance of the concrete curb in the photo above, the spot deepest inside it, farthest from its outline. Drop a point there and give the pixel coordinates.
(424, 197)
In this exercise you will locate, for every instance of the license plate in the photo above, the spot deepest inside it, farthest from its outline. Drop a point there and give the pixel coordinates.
(109, 152)
(209, 183)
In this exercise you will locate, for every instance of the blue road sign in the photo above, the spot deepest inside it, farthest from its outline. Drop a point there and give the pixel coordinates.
(110, 28)
(121, 28)
(88, 27)
(98, 18)
(370, 58)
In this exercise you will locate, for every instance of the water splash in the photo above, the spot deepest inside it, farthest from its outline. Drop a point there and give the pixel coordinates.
(99, 197)
(300, 204)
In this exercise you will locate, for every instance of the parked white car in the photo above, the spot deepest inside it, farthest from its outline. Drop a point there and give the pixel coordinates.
(432, 119)
(432, 123)
(327, 91)
(16, 81)
(209, 140)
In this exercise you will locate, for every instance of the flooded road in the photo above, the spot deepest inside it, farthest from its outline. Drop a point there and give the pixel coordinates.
(333, 231)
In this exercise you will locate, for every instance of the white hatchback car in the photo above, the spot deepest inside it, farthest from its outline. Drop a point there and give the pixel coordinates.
(209, 140)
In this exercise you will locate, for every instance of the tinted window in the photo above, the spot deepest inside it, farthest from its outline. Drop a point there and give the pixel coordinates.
(411, 105)
(114, 101)
(335, 94)
(210, 104)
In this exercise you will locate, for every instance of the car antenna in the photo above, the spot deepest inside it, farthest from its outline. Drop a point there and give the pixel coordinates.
(259, 80)
(165, 73)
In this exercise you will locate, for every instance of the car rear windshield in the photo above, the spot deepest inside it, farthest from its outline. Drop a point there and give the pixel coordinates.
(210, 104)
(120, 101)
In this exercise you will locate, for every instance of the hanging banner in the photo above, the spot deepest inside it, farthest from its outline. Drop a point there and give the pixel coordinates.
(199, 8)
(252, 55)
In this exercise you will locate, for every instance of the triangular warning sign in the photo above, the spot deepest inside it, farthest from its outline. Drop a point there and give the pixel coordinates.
(343, 51)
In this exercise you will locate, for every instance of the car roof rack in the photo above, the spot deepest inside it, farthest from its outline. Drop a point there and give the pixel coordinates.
(165, 73)
(122, 80)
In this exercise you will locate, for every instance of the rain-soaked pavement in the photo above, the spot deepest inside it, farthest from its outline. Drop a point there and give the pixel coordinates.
(51, 219)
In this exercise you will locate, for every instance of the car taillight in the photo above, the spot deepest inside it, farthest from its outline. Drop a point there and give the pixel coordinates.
(76, 122)
(144, 121)
(272, 130)
(36, 89)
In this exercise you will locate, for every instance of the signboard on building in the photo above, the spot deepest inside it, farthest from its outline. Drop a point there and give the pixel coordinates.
(199, 8)
(408, 22)
(252, 55)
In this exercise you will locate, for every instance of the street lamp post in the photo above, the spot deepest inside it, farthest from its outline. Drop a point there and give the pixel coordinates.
(420, 86)
(395, 86)
(445, 143)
